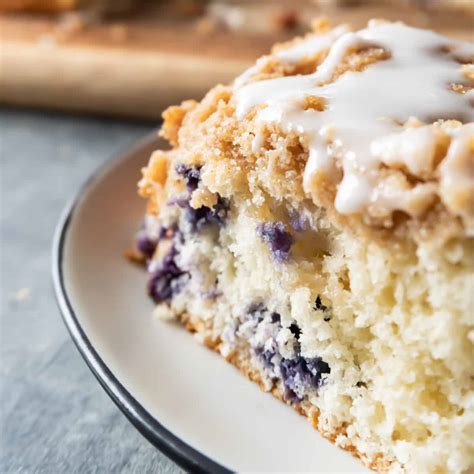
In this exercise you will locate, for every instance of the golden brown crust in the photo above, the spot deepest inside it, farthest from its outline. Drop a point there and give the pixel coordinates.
(134, 255)
(173, 118)
(209, 133)
(189, 122)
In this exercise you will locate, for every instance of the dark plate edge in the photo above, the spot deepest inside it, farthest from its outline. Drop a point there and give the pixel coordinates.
(184, 455)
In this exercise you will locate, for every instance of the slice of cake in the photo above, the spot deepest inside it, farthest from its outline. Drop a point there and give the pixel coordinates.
(314, 224)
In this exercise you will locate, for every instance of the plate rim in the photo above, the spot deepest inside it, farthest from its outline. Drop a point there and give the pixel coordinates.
(157, 434)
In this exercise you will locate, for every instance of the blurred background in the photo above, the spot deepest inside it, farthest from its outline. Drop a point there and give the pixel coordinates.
(79, 81)
(131, 58)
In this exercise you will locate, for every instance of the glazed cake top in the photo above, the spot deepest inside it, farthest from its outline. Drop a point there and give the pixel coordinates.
(387, 116)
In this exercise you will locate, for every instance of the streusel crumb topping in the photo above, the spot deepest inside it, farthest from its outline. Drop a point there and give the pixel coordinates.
(393, 126)
(375, 126)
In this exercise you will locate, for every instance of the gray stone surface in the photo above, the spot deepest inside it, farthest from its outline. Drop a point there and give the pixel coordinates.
(54, 416)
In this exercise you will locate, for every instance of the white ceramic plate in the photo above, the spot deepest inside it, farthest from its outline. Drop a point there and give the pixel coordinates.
(184, 398)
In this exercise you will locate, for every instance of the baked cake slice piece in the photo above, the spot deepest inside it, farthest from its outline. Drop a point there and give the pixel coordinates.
(313, 223)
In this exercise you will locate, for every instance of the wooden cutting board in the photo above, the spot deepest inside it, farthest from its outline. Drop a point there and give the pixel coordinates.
(129, 70)
(134, 68)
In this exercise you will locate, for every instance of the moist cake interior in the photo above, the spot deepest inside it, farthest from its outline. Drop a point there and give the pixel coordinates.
(313, 223)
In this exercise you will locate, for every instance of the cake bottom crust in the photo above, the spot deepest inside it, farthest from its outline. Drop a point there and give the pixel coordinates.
(242, 361)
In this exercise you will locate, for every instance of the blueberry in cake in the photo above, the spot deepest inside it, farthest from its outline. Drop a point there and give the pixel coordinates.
(313, 223)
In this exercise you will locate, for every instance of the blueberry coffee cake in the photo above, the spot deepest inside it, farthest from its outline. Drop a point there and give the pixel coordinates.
(313, 223)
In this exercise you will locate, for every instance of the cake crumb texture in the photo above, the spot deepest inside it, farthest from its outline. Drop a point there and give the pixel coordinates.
(313, 222)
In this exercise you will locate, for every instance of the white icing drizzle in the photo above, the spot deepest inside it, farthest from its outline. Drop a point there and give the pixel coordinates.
(412, 148)
(365, 111)
(457, 174)
(310, 46)
(305, 48)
